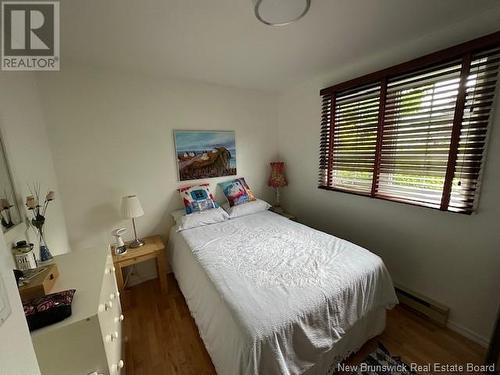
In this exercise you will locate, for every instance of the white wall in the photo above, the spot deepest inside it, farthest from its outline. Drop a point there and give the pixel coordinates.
(24, 134)
(16, 350)
(111, 135)
(452, 258)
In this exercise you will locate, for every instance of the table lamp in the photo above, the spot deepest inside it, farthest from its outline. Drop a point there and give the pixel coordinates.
(277, 179)
(132, 209)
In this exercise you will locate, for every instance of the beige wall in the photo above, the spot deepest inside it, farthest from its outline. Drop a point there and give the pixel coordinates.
(452, 258)
(111, 135)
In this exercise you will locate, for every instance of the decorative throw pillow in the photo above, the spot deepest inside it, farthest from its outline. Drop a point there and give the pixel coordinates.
(237, 192)
(52, 308)
(197, 198)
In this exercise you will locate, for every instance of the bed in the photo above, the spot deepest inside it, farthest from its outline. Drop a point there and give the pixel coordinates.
(272, 296)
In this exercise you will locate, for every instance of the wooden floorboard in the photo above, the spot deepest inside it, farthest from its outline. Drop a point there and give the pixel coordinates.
(162, 338)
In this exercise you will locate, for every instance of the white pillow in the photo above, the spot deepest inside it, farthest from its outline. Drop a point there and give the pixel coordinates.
(198, 219)
(246, 208)
(176, 215)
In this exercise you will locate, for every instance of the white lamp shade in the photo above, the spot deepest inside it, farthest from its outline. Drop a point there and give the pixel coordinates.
(131, 207)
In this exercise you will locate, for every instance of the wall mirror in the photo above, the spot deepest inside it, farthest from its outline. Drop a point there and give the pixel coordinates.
(9, 209)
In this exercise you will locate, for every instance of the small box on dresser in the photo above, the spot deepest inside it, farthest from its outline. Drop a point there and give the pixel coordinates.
(41, 284)
(90, 341)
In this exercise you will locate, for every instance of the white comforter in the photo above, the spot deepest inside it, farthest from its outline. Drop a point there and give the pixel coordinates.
(292, 292)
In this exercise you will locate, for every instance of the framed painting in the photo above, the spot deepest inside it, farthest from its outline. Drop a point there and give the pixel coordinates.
(205, 153)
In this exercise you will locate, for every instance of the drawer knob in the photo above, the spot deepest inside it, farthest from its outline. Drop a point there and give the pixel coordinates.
(109, 305)
(119, 365)
(119, 318)
(112, 296)
(101, 308)
(111, 337)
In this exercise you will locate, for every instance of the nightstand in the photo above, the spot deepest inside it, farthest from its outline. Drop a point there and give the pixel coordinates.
(279, 211)
(153, 248)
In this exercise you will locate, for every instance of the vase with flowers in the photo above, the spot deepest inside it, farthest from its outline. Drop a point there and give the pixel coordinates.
(38, 209)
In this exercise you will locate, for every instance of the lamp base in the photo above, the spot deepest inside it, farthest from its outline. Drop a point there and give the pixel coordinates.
(121, 250)
(135, 244)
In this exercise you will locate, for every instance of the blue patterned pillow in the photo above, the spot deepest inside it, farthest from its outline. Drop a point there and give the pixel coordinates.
(197, 198)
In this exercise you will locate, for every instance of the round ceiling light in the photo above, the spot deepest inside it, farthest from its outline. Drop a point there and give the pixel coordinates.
(280, 12)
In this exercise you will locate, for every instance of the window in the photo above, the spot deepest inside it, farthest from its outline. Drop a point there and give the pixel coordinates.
(413, 133)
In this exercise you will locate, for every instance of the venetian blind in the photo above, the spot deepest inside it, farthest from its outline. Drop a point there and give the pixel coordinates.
(415, 133)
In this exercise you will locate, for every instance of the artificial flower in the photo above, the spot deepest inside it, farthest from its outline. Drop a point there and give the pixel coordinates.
(31, 202)
(51, 195)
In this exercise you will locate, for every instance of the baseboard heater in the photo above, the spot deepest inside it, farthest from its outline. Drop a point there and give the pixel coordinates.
(432, 310)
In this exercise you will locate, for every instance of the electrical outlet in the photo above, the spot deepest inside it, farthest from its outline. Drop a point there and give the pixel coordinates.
(4, 303)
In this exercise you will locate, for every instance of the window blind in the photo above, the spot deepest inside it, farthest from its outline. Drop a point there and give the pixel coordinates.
(414, 133)
(354, 138)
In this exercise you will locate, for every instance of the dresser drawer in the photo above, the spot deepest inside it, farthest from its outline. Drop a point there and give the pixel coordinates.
(90, 340)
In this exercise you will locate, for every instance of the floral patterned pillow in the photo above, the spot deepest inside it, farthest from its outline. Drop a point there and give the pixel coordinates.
(197, 198)
(237, 192)
(52, 308)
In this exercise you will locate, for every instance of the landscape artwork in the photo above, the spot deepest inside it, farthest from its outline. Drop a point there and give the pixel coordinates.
(205, 154)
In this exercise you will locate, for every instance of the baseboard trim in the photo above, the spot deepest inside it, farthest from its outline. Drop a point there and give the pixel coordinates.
(454, 326)
(432, 310)
(460, 329)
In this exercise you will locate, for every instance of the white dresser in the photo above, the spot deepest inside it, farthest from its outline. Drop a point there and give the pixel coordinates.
(90, 341)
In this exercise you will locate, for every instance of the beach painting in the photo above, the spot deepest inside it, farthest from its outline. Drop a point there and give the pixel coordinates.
(205, 153)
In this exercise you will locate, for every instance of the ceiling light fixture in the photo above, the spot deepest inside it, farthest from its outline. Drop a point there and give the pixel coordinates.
(280, 12)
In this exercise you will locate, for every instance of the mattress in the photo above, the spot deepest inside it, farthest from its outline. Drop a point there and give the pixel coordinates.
(272, 296)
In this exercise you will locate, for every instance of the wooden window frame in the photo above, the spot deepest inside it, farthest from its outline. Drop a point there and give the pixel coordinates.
(463, 51)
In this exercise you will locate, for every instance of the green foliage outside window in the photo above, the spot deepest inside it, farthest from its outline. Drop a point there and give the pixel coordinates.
(411, 103)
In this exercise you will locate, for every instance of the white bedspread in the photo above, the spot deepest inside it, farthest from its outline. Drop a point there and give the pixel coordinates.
(292, 292)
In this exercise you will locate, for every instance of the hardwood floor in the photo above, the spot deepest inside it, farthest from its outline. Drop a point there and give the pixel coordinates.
(162, 338)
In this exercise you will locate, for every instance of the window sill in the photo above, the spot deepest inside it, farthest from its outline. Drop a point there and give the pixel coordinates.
(391, 199)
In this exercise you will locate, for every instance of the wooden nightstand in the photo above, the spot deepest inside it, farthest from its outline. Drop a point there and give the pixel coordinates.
(279, 211)
(153, 248)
